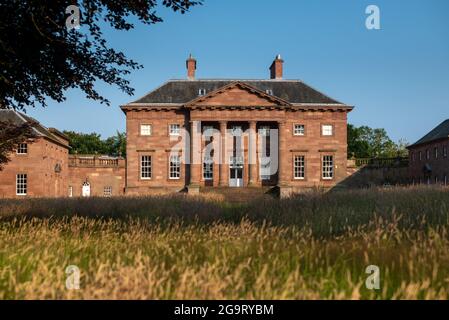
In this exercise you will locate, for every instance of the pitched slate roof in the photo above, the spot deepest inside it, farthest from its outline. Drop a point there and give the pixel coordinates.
(183, 91)
(19, 118)
(440, 132)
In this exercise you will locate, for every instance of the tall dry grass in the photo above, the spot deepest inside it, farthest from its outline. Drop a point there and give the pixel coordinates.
(313, 246)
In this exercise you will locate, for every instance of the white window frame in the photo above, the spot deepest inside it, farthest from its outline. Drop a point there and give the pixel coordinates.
(202, 92)
(174, 167)
(299, 167)
(299, 129)
(146, 129)
(327, 167)
(436, 152)
(269, 91)
(107, 191)
(174, 129)
(146, 162)
(21, 184)
(208, 168)
(327, 130)
(444, 151)
(70, 191)
(22, 148)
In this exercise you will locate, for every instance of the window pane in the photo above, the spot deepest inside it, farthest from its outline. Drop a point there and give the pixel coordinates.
(175, 167)
(328, 167)
(299, 167)
(145, 167)
(208, 168)
(22, 148)
(327, 130)
(21, 184)
(175, 130)
(299, 130)
(145, 130)
(107, 191)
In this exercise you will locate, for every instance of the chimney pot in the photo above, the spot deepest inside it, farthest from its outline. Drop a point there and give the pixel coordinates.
(191, 67)
(276, 68)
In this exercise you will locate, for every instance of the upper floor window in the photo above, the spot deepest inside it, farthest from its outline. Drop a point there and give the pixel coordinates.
(175, 167)
(299, 130)
(299, 167)
(21, 184)
(70, 191)
(328, 167)
(420, 155)
(427, 154)
(145, 167)
(145, 130)
(444, 151)
(22, 148)
(435, 152)
(413, 156)
(269, 91)
(202, 92)
(327, 130)
(107, 191)
(174, 129)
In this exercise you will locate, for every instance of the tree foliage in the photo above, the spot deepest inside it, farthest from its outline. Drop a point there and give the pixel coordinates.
(366, 142)
(10, 136)
(40, 57)
(91, 143)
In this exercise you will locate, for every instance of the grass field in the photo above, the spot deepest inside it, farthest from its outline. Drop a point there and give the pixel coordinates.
(315, 246)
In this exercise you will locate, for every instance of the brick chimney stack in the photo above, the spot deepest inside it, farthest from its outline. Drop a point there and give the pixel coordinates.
(276, 68)
(191, 67)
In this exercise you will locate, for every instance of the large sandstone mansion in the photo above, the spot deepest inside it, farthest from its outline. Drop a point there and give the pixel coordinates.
(199, 133)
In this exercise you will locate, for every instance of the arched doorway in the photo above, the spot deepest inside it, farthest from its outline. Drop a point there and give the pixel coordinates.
(86, 189)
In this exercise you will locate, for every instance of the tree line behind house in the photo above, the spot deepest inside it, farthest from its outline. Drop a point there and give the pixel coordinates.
(363, 142)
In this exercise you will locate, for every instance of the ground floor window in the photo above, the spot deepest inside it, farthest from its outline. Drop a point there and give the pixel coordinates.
(145, 167)
(107, 191)
(328, 167)
(208, 168)
(21, 184)
(175, 167)
(299, 167)
(265, 168)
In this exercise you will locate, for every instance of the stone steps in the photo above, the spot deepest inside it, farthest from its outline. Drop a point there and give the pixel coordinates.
(240, 195)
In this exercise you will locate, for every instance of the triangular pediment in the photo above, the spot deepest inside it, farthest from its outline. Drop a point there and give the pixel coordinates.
(238, 94)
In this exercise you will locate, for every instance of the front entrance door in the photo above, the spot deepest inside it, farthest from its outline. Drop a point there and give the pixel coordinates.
(86, 189)
(236, 172)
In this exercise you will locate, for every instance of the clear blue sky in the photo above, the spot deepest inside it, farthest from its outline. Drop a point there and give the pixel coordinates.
(397, 77)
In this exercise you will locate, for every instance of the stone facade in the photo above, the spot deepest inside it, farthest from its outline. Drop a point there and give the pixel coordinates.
(104, 176)
(46, 169)
(42, 167)
(217, 120)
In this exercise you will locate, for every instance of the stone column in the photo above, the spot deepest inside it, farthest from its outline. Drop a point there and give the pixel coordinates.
(223, 181)
(283, 170)
(195, 156)
(252, 153)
